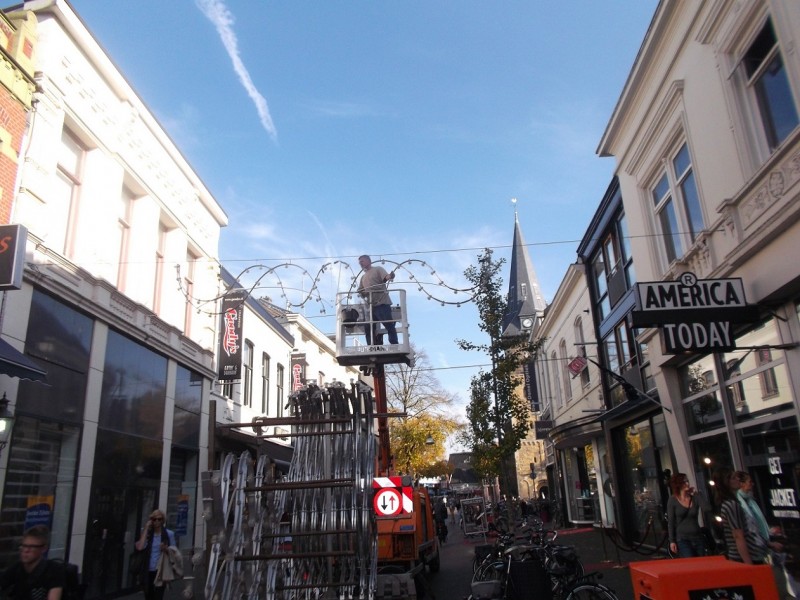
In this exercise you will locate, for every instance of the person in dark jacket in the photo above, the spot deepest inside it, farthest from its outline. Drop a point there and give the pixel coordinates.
(155, 539)
(33, 577)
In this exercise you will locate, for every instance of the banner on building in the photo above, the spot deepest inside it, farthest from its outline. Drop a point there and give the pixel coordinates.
(13, 239)
(298, 371)
(229, 367)
(541, 429)
(529, 377)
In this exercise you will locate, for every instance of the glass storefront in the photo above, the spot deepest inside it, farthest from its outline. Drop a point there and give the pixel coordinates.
(645, 461)
(126, 481)
(127, 474)
(748, 422)
(45, 442)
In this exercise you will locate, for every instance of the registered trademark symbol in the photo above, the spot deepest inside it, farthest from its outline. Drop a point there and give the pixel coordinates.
(688, 279)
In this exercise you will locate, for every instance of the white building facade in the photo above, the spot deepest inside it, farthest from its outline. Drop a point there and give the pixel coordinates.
(123, 236)
(571, 398)
(707, 145)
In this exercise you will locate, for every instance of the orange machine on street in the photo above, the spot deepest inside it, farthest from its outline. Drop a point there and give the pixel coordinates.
(706, 577)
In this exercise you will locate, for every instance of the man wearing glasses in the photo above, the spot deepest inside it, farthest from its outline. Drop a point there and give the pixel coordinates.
(34, 577)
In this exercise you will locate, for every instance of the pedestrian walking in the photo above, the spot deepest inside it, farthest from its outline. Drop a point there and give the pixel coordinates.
(34, 577)
(155, 541)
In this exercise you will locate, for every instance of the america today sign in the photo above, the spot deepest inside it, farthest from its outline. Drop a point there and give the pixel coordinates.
(694, 315)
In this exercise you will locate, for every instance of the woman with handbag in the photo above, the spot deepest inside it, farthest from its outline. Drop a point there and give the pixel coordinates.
(683, 509)
(155, 540)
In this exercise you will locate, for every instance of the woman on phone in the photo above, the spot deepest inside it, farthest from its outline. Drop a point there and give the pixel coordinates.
(156, 538)
(683, 510)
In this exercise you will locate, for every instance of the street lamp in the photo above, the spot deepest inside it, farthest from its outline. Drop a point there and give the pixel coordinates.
(6, 422)
(429, 441)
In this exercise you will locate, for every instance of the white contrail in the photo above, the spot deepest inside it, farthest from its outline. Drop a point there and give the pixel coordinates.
(221, 17)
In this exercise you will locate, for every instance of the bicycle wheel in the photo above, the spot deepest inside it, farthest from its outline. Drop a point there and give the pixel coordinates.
(490, 570)
(591, 591)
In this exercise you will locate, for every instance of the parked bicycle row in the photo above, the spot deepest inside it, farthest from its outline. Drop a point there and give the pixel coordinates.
(528, 563)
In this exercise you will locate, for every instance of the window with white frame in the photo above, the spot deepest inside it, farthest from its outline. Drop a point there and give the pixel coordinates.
(676, 203)
(247, 373)
(279, 377)
(265, 383)
(559, 399)
(563, 364)
(124, 207)
(161, 250)
(63, 203)
(188, 288)
(763, 73)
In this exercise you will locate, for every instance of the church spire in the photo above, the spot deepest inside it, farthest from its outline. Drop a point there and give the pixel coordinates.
(525, 301)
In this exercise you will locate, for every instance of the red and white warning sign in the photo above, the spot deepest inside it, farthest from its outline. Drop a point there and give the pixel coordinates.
(387, 502)
(392, 497)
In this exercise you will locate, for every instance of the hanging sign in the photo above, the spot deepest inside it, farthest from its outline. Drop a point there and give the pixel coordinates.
(229, 367)
(694, 315)
(13, 240)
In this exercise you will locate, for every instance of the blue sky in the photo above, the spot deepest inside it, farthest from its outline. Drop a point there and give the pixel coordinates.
(398, 129)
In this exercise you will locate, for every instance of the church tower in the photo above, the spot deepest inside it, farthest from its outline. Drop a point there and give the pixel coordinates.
(525, 301)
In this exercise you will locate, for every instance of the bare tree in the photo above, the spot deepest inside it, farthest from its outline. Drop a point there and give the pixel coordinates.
(418, 440)
(416, 390)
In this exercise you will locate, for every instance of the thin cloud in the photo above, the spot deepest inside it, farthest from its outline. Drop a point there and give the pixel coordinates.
(221, 17)
(343, 110)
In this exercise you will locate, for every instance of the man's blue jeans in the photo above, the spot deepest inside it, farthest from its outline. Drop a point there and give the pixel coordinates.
(382, 313)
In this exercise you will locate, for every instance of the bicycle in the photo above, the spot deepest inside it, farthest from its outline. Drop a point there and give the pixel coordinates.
(588, 588)
(557, 562)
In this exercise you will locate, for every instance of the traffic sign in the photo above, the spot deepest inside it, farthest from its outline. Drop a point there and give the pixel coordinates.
(387, 502)
(405, 492)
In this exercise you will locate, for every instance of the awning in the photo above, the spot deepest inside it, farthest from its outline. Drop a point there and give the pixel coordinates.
(16, 364)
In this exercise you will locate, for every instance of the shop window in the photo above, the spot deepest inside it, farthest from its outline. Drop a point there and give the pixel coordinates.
(188, 400)
(769, 382)
(182, 494)
(755, 377)
(133, 391)
(60, 338)
(42, 465)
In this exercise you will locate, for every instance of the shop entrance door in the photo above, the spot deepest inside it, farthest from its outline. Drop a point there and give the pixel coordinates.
(116, 517)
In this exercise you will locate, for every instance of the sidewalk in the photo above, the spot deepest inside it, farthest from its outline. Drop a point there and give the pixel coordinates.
(598, 552)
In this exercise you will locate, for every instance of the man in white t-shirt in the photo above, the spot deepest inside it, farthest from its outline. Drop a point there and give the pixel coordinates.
(372, 288)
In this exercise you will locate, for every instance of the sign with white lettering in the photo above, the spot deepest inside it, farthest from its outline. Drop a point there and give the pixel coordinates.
(691, 300)
(697, 337)
(694, 315)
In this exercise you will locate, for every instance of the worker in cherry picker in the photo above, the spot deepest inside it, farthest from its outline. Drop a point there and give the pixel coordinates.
(372, 288)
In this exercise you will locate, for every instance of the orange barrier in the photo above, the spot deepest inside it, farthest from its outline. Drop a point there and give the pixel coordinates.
(697, 578)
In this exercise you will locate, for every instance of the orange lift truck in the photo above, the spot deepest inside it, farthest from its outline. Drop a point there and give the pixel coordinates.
(407, 541)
